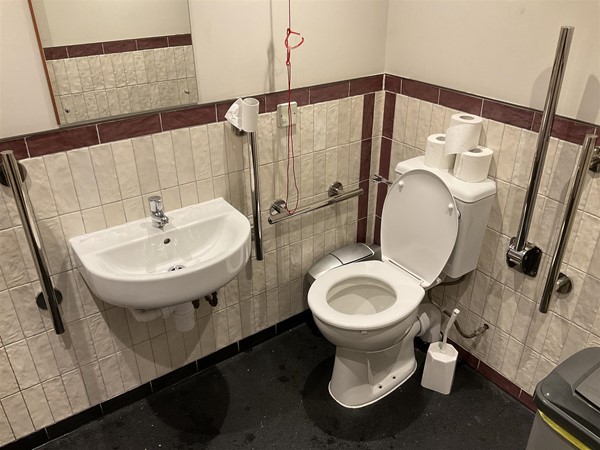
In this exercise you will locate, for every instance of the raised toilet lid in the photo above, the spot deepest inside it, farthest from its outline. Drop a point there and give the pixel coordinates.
(419, 225)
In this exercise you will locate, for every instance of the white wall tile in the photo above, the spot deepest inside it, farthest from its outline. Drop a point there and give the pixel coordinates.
(111, 375)
(18, 416)
(76, 391)
(125, 163)
(84, 178)
(9, 384)
(61, 181)
(94, 383)
(106, 173)
(22, 364)
(37, 405)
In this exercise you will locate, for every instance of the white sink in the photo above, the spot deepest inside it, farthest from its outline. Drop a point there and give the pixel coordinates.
(131, 265)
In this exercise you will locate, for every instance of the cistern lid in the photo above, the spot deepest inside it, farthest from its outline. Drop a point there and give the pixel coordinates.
(419, 225)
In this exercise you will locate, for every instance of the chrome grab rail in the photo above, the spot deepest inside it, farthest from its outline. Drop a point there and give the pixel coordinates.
(50, 297)
(255, 192)
(522, 255)
(556, 279)
(336, 194)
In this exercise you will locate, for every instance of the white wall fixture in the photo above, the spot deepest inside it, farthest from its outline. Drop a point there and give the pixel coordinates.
(139, 266)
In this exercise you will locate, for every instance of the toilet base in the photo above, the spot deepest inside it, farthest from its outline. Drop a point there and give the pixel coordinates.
(361, 378)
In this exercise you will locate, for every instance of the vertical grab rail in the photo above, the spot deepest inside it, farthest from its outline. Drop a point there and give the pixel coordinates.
(522, 255)
(255, 191)
(50, 297)
(556, 279)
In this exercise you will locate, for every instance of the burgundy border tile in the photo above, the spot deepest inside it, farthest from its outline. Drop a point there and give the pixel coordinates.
(566, 129)
(377, 231)
(179, 39)
(422, 91)
(384, 169)
(76, 51)
(127, 45)
(327, 92)
(508, 114)
(460, 101)
(152, 42)
(51, 53)
(503, 383)
(188, 117)
(389, 109)
(368, 112)
(393, 84)
(365, 85)
(129, 128)
(61, 140)
(361, 231)
(365, 159)
(300, 96)
(18, 146)
(527, 400)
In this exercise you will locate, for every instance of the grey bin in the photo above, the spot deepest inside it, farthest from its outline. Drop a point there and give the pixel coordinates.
(346, 255)
(568, 402)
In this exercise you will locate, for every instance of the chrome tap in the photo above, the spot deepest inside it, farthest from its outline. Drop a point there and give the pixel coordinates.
(159, 218)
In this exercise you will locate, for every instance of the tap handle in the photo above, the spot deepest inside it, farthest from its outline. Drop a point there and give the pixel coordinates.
(155, 203)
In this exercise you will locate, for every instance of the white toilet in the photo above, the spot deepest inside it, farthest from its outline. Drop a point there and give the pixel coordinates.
(432, 226)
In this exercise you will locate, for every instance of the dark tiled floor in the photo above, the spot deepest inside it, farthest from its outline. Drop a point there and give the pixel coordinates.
(275, 396)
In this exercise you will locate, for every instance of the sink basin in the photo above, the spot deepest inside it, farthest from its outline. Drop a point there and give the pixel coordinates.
(135, 265)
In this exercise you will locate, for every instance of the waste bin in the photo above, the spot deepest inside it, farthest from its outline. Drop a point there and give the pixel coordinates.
(568, 402)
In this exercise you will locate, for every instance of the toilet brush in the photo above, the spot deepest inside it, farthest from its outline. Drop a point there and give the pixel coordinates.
(440, 362)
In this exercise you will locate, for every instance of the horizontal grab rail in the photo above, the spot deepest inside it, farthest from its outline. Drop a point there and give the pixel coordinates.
(279, 213)
(555, 278)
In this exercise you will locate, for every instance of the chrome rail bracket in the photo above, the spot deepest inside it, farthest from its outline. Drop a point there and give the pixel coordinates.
(4, 178)
(41, 302)
(526, 261)
(277, 207)
(376, 178)
(336, 188)
(563, 285)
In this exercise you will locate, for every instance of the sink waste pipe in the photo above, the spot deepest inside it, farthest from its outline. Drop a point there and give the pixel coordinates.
(183, 314)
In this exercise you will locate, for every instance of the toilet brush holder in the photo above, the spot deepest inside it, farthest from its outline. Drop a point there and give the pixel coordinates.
(440, 363)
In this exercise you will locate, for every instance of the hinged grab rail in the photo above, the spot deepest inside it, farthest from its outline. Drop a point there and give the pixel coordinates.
(522, 255)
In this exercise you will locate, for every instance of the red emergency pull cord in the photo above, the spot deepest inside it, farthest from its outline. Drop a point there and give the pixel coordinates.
(290, 137)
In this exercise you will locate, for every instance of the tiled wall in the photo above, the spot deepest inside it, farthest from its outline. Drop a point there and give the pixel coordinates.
(91, 81)
(45, 377)
(522, 344)
(346, 131)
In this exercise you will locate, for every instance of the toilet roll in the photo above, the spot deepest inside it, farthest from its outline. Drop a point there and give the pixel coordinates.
(243, 114)
(435, 155)
(473, 166)
(463, 133)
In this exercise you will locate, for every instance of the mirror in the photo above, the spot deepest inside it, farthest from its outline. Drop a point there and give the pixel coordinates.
(107, 58)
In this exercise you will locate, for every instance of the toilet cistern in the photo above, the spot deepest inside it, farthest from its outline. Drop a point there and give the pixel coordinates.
(159, 218)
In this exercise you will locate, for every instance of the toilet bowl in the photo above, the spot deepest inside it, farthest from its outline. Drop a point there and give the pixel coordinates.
(369, 310)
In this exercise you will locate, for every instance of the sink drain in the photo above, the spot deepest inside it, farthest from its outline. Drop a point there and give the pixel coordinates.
(176, 267)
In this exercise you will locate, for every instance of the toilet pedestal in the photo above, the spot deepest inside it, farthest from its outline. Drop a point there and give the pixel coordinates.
(360, 378)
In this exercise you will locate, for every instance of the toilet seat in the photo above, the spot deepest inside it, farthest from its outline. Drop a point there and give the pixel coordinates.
(419, 227)
(405, 289)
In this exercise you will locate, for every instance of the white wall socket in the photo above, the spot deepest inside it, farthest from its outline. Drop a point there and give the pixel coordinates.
(282, 114)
